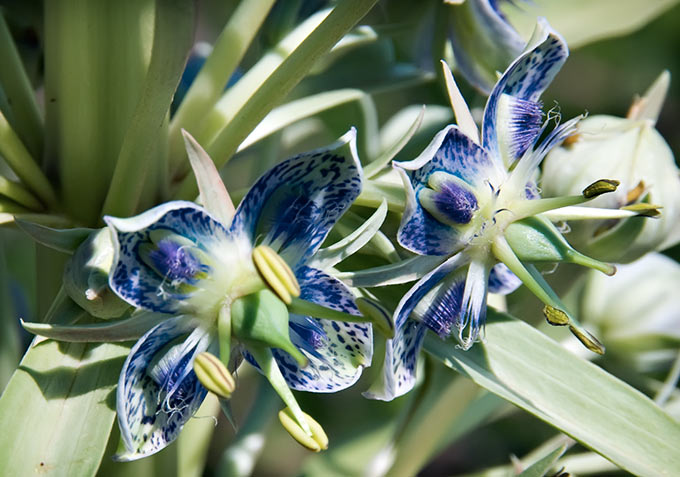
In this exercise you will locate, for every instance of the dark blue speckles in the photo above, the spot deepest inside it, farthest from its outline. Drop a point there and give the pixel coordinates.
(454, 203)
(526, 79)
(311, 190)
(445, 310)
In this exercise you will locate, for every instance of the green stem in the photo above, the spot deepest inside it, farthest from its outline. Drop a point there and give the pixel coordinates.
(208, 85)
(270, 369)
(224, 333)
(23, 164)
(19, 91)
(280, 82)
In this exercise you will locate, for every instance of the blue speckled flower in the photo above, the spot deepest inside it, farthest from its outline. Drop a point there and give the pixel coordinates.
(181, 260)
(466, 198)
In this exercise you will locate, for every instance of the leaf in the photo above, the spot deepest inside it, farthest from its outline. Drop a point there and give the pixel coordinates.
(541, 467)
(66, 240)
(525, 367)
(214, 195)
(333, 254)
(585, 21)
(127, 329)
(58, 409)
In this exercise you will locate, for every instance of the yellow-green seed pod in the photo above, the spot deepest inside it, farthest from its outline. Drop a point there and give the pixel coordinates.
(214, 375)
(555, 316)
(318, 441)
(276, 273)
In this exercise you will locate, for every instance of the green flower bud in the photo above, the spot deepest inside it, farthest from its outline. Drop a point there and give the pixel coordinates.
(631, 151)
(535, 239)
(86, 277)
(261, 318)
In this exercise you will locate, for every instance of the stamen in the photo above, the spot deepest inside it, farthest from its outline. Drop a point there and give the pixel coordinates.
(317, 441)
(276, 273)
(214, 375)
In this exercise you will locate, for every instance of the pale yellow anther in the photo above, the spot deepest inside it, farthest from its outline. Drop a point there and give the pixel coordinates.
(600, 187)
(316, 442)
(214, 375)
(276, 273)
(588, 340)
(555, 316)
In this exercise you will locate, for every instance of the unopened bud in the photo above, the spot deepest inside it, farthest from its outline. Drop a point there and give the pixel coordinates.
(315, 442)
(214, 375)
(276, 273)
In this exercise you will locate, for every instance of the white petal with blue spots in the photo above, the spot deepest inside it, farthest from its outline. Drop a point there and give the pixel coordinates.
(337, 351)
(293, 206)
(158, 391)
(514, 100)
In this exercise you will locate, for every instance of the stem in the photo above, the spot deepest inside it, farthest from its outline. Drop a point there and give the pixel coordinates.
(208, 85)
(270, 369)
(280, 82)
(23, 164)
(224, 333)
(19, 91)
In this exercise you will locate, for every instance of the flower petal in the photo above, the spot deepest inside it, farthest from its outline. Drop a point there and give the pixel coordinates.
(401, 358)
(473, 307)
(293, 206)
(196, 251)
(337, 351)
(418, 291)
(158, 391)
(502, 280)
(512, 116)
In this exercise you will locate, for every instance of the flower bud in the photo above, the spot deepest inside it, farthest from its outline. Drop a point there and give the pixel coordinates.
(86, 277)
(316, 442)
(214, 375)
(261, 318)
(631, 151)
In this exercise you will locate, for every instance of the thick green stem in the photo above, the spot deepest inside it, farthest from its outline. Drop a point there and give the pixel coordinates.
(16, 85)
(208, 85)
(19, 194)
(280, 82)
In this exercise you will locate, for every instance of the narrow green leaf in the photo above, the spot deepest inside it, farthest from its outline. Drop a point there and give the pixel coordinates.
(281, 81)
(405, 271)
(299, 109)
(541, 467)
(523, 366)
(173, 36)
(63, 240)
(333, 254)
(128, 329)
